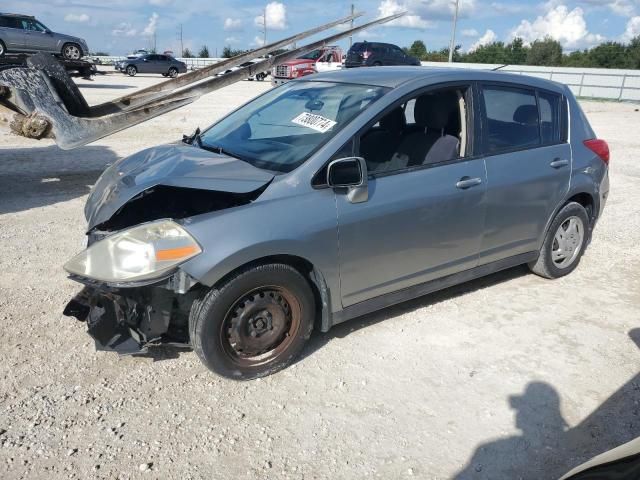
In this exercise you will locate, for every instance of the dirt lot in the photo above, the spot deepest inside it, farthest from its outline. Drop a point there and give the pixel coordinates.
(508, 377)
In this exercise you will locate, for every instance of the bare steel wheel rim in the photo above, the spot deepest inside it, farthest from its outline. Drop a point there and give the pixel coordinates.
(72, 52)
(260, 326)
(567, 242)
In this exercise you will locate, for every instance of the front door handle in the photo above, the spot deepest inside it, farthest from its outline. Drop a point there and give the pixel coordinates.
(558, 163)
(467, 182)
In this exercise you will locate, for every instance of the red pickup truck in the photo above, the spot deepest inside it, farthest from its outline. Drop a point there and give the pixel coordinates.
(326, 58)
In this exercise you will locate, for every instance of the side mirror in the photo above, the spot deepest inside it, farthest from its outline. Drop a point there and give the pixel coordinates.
(350, 173)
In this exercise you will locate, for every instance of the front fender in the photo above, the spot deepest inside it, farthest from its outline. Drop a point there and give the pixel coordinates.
(302, 226)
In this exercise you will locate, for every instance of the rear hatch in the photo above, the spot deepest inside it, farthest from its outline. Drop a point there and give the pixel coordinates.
(358, 53)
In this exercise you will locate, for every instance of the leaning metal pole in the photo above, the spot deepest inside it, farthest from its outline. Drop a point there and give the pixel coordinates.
(41, 105)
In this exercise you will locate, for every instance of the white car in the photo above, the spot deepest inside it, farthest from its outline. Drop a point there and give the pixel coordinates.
(260, 76)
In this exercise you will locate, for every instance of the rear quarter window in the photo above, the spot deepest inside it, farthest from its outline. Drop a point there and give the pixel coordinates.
(550, 117)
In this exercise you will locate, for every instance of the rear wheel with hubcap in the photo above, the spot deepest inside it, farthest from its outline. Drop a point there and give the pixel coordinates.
(255, 324)
(564, 244)
(173, 72)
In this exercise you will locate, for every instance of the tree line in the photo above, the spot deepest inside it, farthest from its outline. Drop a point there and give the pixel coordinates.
(546, 52)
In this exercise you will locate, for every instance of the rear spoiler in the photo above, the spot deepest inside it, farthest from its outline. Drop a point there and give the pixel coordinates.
(40, 100)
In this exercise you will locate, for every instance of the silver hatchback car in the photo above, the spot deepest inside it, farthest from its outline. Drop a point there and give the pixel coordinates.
(25, 34)
(331, 197)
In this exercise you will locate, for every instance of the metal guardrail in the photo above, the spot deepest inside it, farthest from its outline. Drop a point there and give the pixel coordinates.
(601, 83)
(621, 85)
(595, 85)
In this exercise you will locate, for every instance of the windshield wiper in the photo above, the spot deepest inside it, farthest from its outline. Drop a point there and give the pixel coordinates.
(196, 138)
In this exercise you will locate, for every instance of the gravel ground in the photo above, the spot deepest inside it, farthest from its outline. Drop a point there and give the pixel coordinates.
(511, 376)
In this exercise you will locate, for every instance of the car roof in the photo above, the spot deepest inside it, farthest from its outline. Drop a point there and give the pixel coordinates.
(18, 15)
(395, 76)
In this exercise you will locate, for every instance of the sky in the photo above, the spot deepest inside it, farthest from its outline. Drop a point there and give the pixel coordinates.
(120, 26)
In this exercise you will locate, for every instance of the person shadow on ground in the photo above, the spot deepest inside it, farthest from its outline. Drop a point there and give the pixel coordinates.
(547, 448)
(522, 456)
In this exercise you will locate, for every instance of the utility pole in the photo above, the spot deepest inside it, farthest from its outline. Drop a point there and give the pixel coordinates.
(264, 30)
(452, 45)
(351, 36)
(181, 42)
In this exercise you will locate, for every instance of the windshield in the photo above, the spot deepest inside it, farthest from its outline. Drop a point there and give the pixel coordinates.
(279, 130)
(314, 55)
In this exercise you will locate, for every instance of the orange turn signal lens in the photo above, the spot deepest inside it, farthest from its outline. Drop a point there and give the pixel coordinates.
(176, 253)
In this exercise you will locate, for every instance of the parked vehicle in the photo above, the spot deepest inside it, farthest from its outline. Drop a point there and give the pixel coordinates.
(260, 76)
(332, 197)
(151, 63)
(322, 59)
(376, 54)
(26, 34)
(141, 52)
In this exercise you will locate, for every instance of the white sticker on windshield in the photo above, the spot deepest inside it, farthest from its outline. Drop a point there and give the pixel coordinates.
(316, 122)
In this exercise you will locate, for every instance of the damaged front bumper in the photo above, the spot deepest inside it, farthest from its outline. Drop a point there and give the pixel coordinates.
(129, 320)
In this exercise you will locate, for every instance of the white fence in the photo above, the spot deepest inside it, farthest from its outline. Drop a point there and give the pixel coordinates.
(615, 84)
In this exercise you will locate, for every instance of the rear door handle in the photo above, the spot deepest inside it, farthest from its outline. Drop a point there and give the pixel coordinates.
(558, 163)
(467, 182)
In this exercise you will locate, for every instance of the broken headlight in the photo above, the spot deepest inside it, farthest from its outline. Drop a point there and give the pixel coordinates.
(144, 252)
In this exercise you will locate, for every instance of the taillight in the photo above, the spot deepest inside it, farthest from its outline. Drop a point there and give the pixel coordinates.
(599, 147)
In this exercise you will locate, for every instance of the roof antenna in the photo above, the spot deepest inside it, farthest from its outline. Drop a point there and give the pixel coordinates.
(495, 69)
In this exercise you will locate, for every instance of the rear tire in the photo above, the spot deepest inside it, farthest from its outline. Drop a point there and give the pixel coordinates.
(3, 49)
(255, 324)
(173, 72)
(72, 51)
(564, 243)
(131, 71)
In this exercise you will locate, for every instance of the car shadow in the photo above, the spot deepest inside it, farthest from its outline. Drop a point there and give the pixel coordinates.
(103, 85)
(34, 177)
(319, 340)
(547, 447)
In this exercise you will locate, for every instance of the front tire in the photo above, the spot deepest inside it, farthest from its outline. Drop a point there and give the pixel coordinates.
(173, 72)
(3, 49)
(72, 51)
(255, 324)
(564, 243)
(131, 71)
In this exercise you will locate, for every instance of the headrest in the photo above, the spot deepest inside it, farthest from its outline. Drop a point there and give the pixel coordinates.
(526, 115)
(433, 111)
(394, 121)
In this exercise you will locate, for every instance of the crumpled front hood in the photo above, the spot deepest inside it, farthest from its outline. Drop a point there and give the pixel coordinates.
(173, 165)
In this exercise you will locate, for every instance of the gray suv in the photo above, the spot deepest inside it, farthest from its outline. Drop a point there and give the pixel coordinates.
(165, 65)
(25, 34)
(331, 197)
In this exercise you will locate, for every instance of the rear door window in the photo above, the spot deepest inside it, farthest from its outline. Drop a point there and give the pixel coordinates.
(550, 117)
(511, 119)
